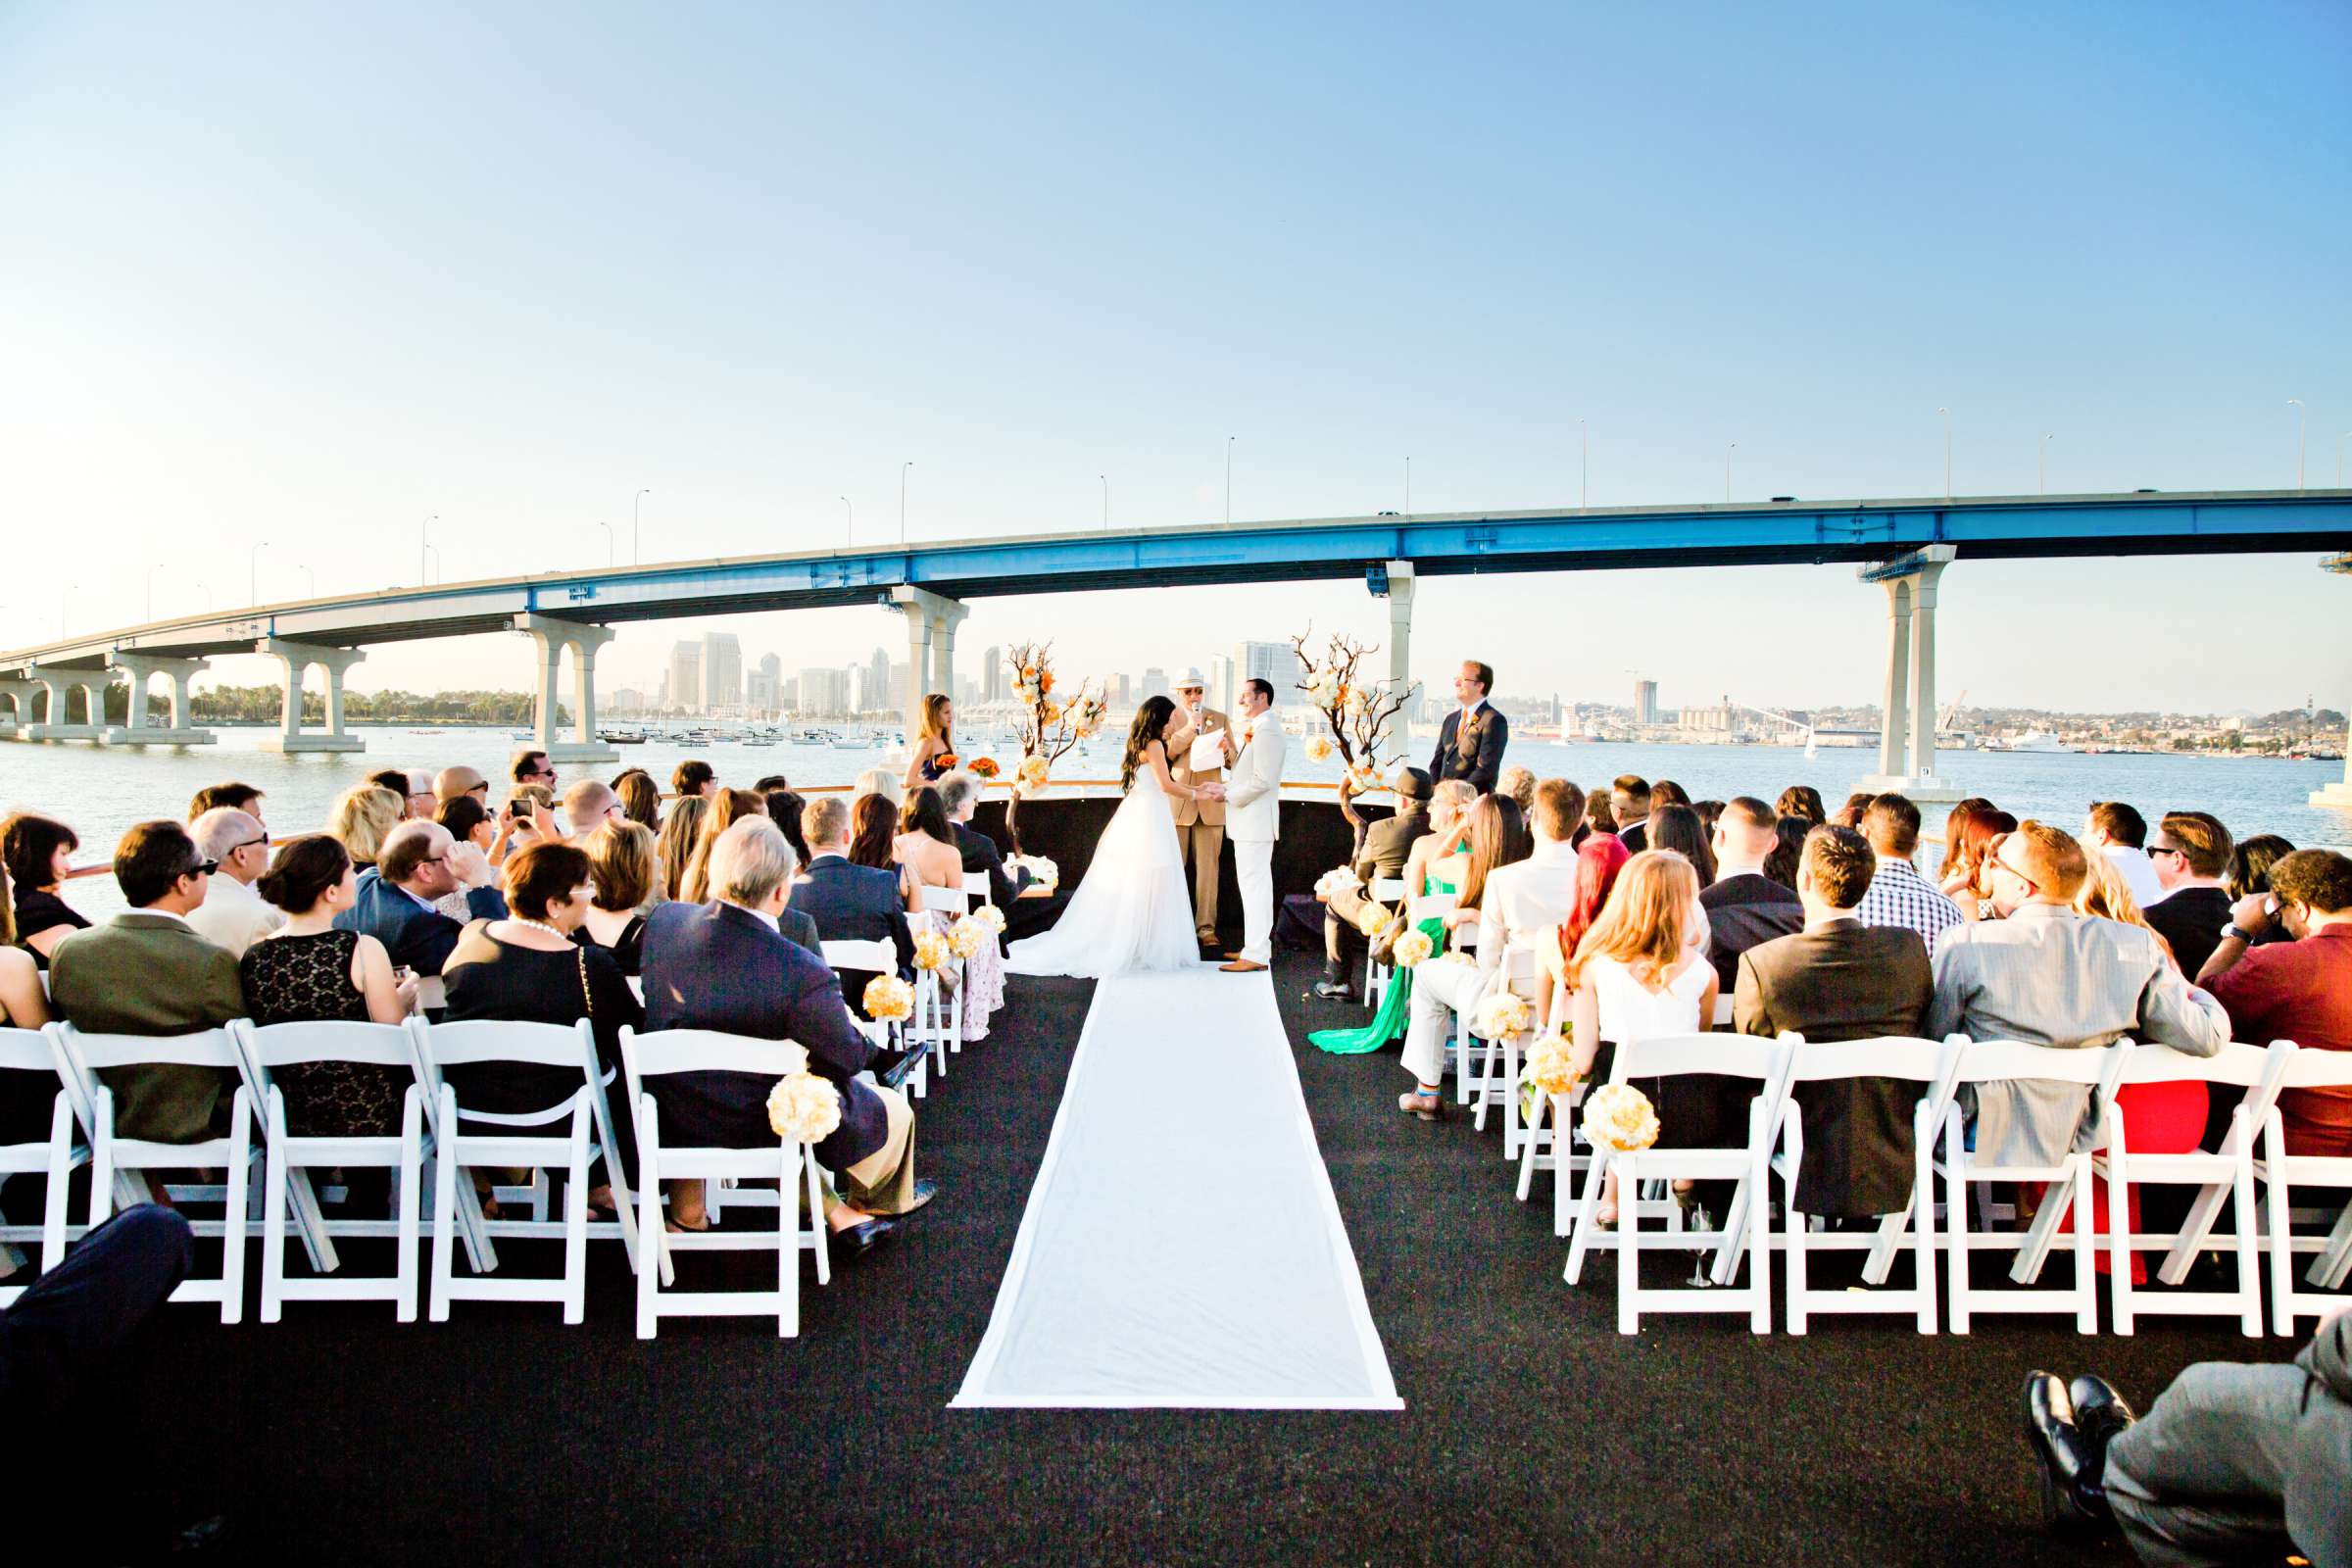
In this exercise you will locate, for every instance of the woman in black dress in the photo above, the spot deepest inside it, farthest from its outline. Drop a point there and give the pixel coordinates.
(620, 858)
(39, 852)
(307, 971)
(27, 1100)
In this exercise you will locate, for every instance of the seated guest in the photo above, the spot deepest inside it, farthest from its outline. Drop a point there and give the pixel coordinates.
(1678, 828)
(527, 969)
(455, 783)
(307, 971)
(959, 792)
(590, 804)
(362, 819)
(394, 900)
(1839, 979)
(1598, 860)
(2043, 974)
(878, 781)
(1381, 859)
(1955, 828)
(681, 830)
(1744, 905)
(623, 864)
(693, 776)
(1898, 896)
(1709, 812)
(2298, 990)
(2120, 833)
(850, 902)
(233, 915)
(727, 808)
(2232, 1463)
(147, 973)
(415, 792)
(1788, 848)
(2190, 863)
(1850, 813)
(769, 784)
(236, 797)
(784, 808)
(2251, 862)
(468, 820)
(1629, 802)
(1967, 875)
(874, 837)
(1666, 792)
(25, 1098)
(932, 859)
(640, 798)
(723, 965)
(1514, 903)
(1601, 810)
(1519, 784)
(39, 854)
(1803, 802)
(531, 765)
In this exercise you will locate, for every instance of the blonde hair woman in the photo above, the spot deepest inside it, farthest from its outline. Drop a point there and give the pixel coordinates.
(934, 749)
(682, 826)
(1643, 972)
(362, 818)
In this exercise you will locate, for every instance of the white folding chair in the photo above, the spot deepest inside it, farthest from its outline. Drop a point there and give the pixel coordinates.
(34, 1051)
(881, 957)
(1926, 1063)
(86, 1056)
(1673, 1056)
(466, 1138)
(2229, 1172)
(1388, 892)
(432, 994)
(290, 1159)
(976, 885)
(1498, 1084)
(1723, 1011)
(943, 1027)
(1987, 1062)
(646, 1059)
(2283, 1172)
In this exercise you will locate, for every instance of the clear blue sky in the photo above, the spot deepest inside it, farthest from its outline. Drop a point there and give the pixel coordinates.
(312, 274)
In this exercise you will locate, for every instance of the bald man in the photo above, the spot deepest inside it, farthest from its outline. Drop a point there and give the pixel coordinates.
(233, 915)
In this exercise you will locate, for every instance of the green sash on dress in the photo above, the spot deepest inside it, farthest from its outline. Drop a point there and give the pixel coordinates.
(1396, 1002)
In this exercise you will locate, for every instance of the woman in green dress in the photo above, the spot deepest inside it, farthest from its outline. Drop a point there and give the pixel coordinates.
(1437, 864)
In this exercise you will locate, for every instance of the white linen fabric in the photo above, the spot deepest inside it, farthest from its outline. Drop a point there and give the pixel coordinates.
(1177, 1253)
(1134, 909)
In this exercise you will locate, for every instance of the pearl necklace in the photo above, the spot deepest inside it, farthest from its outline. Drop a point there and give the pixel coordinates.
(538, 925)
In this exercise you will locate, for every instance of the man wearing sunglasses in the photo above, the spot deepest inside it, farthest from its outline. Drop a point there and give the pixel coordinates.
(2043, 974)
(232, 913)
(147, 973)
(2191, 857)
(395, 898)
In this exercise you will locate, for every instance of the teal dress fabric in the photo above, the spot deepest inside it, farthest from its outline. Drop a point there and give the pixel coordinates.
(1396, 1002)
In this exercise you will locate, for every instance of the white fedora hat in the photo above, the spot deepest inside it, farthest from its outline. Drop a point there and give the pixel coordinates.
(1188, 678)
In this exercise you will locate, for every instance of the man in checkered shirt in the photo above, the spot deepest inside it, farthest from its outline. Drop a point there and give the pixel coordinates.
(1898, 895)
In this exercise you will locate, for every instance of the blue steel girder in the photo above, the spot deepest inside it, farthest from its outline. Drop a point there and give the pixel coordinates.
(1341, 548)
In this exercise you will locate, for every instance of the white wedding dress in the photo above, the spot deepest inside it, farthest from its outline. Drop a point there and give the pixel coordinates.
(1133, 910)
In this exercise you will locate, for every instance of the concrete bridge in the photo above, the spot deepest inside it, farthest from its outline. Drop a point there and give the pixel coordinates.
(1906, 545)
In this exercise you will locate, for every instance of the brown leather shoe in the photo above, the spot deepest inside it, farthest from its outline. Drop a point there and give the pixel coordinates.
(1243, 966)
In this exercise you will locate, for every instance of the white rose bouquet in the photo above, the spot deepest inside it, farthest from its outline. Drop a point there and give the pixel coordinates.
(1318, 748)
(931, 951)
(1550, 1070)
(1411, 949)
(989, 918)
(804, 1108)
(889, 998)
(1339, 879)
(968, 936)
(1042, 871)
(1502, 1015)
(1619, 1116)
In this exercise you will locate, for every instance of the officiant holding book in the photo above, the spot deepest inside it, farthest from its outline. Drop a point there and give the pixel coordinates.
(1200, 746)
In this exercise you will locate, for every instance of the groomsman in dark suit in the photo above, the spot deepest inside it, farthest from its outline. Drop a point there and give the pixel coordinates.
(1839, 979)
(1470, 742)
(848, 903)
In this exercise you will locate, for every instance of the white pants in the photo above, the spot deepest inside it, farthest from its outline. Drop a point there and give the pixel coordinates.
(1440, 991)
(1253, 871)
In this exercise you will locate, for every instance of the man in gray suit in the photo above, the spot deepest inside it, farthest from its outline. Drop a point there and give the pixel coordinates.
(2046, 976)
(147, 973)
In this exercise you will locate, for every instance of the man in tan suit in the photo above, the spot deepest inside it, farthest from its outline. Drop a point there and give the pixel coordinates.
(1199, 824)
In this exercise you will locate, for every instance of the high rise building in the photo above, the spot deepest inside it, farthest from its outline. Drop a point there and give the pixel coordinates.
(1645, 701)
(881, 666)
(763, 687)
(1221, 684)
(824, 693)
(991, 674)
(893, 680)
(1275, 664)
(1118, 691)
(628, 700)
(722, 671)
(684, 691)
(1155, 684)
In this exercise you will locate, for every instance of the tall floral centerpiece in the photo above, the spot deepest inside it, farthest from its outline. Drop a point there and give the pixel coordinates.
(1052, 720)
(1359, 713)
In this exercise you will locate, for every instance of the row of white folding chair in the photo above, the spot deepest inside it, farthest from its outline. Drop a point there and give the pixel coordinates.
(877, 957)
(1388, 892)
(785, 1162)
(34, 1051)
(939, 1008)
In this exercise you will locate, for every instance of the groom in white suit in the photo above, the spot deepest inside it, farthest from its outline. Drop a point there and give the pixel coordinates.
(1252, 808)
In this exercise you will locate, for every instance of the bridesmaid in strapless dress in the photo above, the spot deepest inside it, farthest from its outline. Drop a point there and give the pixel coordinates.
(933, 752)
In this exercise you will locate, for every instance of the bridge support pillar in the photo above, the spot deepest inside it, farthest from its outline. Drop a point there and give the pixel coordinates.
(1907, 722)
(57, 724)
(2338, 795)
(931, 623)
(298, 658)
(553, 636)
(1401, 627)
(16, 693)
(135, 731)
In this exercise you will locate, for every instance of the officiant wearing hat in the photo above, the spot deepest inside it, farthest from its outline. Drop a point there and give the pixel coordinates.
(1199, 824)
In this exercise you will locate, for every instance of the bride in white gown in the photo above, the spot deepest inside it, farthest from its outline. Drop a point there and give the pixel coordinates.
(1134, 909)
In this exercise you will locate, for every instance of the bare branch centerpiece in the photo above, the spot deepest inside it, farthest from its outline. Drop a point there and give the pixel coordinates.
(1359, 713)
(1051, 723)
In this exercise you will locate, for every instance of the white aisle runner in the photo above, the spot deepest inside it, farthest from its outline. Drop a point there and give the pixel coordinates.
(1182, 1246)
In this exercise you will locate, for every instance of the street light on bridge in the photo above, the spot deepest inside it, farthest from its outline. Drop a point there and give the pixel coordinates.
(2042, 467)
(1584, 479)
(1727, 470)
(424, 532)
(636, 555)
(253, 569)
(1105, 479)
(607, 527)
(902, 467)
(2339, 458)
(853, 511)
(2302, 431)
(1229, 480)
(1947, 453)
(151, 572)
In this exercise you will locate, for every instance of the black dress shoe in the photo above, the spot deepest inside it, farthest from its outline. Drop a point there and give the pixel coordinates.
(925, 1192)
(2062, 1458)
(2100, 1416)
(859, 1239)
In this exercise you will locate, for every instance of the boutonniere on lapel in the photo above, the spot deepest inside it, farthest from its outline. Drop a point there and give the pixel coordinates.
(1471, 725)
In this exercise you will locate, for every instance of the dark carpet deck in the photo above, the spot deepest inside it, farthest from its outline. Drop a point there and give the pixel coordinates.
(1534, 1432)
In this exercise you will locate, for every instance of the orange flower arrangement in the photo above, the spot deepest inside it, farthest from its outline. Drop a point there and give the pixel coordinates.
(982, 768)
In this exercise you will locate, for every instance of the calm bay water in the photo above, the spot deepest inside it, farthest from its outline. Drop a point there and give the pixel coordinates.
(101, 792)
